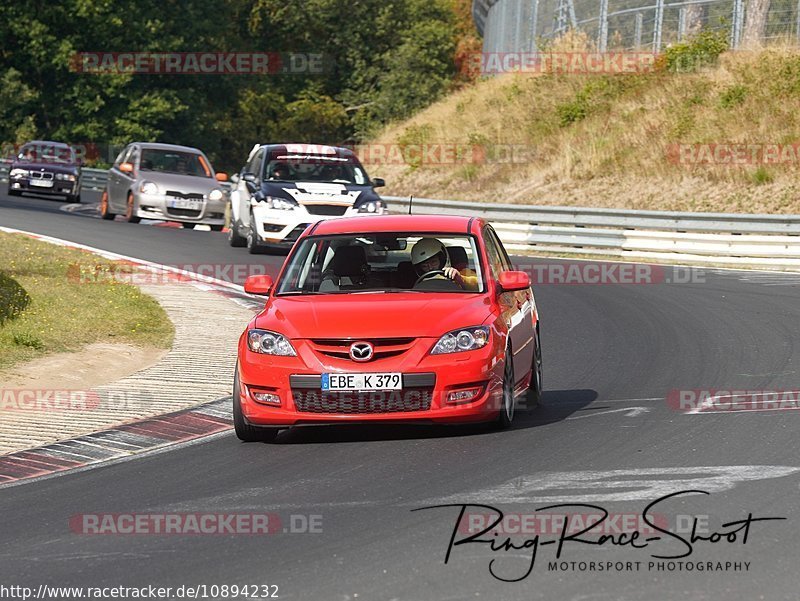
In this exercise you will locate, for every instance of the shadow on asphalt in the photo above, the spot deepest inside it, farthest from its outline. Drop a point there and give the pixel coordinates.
(556, 405)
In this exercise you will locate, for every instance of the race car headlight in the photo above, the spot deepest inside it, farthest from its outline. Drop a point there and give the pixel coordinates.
(281, 204)
(65, 176)
(19, 173)
(269, 343)
(215, 194)
(466, 339)
(372, 206)
(148, 188)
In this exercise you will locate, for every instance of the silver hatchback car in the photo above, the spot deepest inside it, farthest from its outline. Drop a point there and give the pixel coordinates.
(164, 181)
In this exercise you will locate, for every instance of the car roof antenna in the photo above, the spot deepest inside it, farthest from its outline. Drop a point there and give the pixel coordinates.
(410, 202)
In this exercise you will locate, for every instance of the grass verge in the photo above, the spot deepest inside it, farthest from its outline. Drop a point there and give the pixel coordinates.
(703, 131)
(65, 313)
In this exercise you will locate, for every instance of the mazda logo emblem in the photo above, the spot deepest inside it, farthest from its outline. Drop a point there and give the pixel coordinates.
(361, 351)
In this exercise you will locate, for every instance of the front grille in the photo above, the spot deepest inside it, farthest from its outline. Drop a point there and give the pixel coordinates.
(340, 348)
(188, 196)
(330, 210)
(311, 400)
(416, 395)
(183, 212)
(41, 175)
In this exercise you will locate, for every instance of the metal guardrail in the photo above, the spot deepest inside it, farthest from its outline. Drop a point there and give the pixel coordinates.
(719, 238)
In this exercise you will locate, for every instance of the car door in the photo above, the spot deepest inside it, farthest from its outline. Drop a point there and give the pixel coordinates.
(244, 193)
(517, 307)
(114, 185)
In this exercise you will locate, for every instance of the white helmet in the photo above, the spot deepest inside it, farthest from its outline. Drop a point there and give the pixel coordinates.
(426, 248)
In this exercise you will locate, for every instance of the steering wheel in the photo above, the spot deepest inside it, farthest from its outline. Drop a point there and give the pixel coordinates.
(428, 275)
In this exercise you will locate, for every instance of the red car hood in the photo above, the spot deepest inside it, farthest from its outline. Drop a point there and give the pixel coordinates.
(395, 315)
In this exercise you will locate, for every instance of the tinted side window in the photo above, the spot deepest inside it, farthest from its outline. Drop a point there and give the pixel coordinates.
(255, 163)
(507, 266)
(121, 156)
(494, 254)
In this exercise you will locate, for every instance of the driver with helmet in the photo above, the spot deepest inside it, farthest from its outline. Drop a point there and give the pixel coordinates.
(429, 257)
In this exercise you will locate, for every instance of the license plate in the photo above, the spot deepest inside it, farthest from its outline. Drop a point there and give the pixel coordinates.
(42, 183)
(183, 203)
(360, 382)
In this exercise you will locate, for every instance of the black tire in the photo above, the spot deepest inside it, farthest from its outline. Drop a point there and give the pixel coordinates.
(14, 192)
(216, 228)
(74, 198)
(235, 239)
(189, 226)
(129, 216)
(506, 416)
(253, 247)
(534, 394)
(244, 431)
(105, 212)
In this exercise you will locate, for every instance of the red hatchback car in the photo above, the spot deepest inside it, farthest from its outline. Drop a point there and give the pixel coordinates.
(389, 319)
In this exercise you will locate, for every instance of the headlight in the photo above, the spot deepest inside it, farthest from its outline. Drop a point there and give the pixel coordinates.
(281, 204)
(269, 343)
(372, 206)
(148, 188)
(215, 194)
(65, 176)
(466, 339)
(19, 173)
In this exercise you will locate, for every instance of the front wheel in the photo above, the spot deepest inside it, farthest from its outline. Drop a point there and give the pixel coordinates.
(130, 210)
(189, 226)
(216, 228)
(14, 192)
(105, 212)
(244, 431)
(253, 247)
(507, 409)
(74, 198)
(534, 394)
(234, 238)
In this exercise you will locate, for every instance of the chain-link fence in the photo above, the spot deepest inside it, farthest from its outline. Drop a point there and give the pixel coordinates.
(527, 25)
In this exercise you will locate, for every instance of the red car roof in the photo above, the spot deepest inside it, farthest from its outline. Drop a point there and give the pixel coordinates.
(394, 223)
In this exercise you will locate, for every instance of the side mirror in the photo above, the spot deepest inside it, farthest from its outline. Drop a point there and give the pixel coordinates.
(258, 284)
(378, 182)
(514, 280)
(126, 167)
(222, 177)
(235, 178)
(249, 177)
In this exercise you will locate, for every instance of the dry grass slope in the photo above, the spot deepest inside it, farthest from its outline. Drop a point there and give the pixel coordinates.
(605, 140)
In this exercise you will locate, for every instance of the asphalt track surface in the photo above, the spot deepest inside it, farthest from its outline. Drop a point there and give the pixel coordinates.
(612, 353)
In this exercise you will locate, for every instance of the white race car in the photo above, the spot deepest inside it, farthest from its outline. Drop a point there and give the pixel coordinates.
(285, 187)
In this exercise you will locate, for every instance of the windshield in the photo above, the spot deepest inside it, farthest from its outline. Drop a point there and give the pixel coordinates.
(47, 153)
(171, 161)
(314, 168)
(385, 262)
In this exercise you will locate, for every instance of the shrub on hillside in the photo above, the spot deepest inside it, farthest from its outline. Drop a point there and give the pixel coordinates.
(700, 51)
(13, 298)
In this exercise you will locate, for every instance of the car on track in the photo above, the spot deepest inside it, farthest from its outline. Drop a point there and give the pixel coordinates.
(44, 167)
(285, 187)
(165, 181)
(395, 318)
